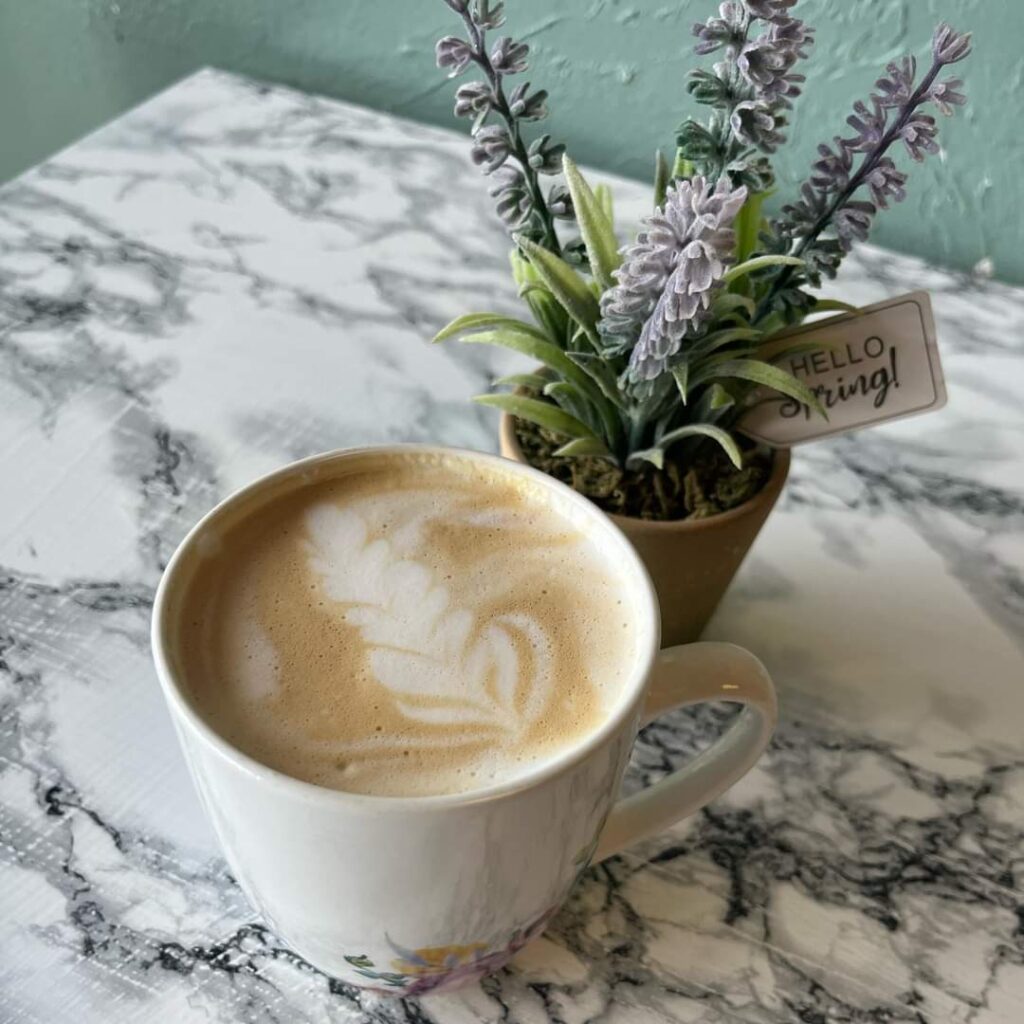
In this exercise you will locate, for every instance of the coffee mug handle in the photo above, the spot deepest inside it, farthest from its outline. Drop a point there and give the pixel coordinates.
(692, 674)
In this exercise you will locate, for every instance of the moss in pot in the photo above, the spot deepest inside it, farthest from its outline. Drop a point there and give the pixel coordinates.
(703, 484)
(650, 355)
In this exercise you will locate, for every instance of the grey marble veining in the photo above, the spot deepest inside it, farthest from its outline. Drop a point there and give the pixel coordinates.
(233, 276)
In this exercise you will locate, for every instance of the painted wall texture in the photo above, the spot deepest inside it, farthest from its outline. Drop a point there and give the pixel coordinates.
(615, 70)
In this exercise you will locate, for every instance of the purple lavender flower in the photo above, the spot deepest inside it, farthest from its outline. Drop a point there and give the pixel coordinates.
(668, 277)
(798, 220)
(791, 34)
(560, 202)
(895, 90)
(545, 157)
(801, 215)
(766, 61)
(828, 199)
(885, 183)
(453, 53)
(518, 196)
(755, 124)
(491, 148)
(945, 95)
(852, 222)
(948, 46)
(472, 99)
(528, 106)
(832, 168)
(509, 57)
(761, 62)
(751, 89)
(725, 30)
(783, 90)
(823, 258)
(918, 135)
(485, 14)
(869, 126)
(769, 10)
(512, 195)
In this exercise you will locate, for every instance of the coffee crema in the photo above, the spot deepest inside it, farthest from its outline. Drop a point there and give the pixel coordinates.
(409, 626)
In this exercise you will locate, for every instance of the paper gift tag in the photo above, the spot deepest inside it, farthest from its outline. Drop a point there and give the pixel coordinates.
(877, 364)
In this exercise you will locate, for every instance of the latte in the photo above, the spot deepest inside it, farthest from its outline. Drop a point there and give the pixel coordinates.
(411, 625)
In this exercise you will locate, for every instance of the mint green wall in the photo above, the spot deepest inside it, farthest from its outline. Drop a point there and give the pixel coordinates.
(615, 70)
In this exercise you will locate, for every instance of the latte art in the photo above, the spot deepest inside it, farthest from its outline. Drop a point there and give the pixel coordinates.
(495, 676)
(406, 629)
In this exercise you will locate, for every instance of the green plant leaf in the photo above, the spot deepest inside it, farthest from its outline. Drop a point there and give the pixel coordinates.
(595, 227)
(773, 323)
(831, 306)
(748, 225)
(522, 272)
(723, 437)
(719, 398)
(703, 347)
(549, 314)
(482, 321)
(543, 305)
(533, 381)
(700, 146)
(728, 302)
(681, 373)
(661, 178)
(597, 368)
(682, 168)
(544, 414)
(708, 367)
(611, 405)
(566, 285)
(760, 263)
(771, 377)
(531, 343)
(606, 201)
(584, 446)
(577, 338)
(655, 456)
(572, 400)
(532, 288)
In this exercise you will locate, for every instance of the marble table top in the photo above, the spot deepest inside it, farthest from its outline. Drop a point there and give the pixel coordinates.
(233, 276)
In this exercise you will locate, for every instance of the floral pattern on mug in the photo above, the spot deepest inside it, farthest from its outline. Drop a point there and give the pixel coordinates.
(431, 968)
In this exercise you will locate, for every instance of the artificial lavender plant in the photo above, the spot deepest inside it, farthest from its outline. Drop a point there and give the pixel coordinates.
(668, 278)
(650, 354)
(499, 149)
(833, 209)
(750, 91)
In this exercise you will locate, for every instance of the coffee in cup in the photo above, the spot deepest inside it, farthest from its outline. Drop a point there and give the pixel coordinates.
(414, 625)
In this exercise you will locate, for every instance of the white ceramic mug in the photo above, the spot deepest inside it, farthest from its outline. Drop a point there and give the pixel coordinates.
(409, 895)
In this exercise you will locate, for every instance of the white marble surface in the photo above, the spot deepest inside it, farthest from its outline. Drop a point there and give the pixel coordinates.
(233, 276)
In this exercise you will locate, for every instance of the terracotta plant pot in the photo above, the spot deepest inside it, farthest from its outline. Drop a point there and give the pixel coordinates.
(692, 562)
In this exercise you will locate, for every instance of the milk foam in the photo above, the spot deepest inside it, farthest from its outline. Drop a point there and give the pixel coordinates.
(407, 630)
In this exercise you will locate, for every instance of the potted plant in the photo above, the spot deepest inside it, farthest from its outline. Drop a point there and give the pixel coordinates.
(647, 357)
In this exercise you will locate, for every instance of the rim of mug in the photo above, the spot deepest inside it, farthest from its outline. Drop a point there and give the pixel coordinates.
(648, 643)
